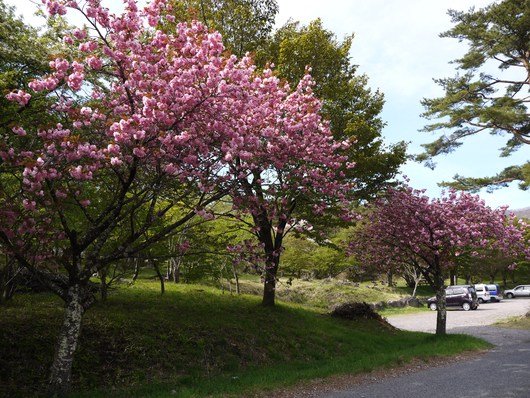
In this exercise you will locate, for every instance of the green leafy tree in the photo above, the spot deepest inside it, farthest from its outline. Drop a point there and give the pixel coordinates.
(299, 256)
(352, 108)
(24, 56)
(481, 98)
(326, 259)
(244, 24)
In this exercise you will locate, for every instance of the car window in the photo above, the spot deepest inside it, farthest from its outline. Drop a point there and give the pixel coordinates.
(519, 288)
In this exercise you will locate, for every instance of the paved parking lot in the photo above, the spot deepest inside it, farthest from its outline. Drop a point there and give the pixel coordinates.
(486, 314)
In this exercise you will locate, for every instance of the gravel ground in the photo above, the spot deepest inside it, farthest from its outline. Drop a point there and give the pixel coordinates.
(436, 377)
(486, 314)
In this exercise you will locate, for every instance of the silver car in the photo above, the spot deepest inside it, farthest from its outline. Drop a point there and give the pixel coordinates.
(518, 291)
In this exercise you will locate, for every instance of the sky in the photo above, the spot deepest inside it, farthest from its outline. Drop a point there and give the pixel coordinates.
(397, 45)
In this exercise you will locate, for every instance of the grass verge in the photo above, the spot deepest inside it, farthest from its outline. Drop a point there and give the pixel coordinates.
(195, 341)
(515, 322)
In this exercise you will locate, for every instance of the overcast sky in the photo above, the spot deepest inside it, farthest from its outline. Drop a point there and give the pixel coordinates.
(397, 46)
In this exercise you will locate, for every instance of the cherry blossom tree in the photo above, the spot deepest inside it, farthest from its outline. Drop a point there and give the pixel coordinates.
(143, 121)
(294, 171)
(407, 227)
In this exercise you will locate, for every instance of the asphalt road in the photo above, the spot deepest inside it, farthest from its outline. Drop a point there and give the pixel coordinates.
(501, 372)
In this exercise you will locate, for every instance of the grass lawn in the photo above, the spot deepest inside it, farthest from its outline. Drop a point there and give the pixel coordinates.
(195, 341)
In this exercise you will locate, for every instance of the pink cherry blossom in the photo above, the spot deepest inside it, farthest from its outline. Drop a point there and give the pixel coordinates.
(407, 228)
(19, 96)
(94, 62)
(79, 34)
(19, 131)
(140, 152)
(75, 80)
(54, 7)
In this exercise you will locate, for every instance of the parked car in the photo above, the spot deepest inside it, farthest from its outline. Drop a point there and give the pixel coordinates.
(483, 293)
(518, 291)
(495, 292)
(457, 296)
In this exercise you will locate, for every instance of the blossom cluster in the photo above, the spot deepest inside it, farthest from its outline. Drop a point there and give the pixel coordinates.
(137, 101)
(409, 227)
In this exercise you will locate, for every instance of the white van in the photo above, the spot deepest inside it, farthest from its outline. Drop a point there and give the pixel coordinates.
(483, 293)
(495, 292)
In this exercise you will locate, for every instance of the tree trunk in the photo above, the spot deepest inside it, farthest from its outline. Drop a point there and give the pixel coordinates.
(136, 263)
(103, 288)
(452, 277)
(272, 239)
(174, 269)
(390, 276)
(271, 271)
(416, 281)
(441, 312)
(61, 370)
(269, 288)
(159, 275)
(7, 279)
(504, 278)
(236, 277)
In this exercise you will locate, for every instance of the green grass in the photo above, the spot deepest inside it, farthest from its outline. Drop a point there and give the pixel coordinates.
(390, 311)
(195, 341)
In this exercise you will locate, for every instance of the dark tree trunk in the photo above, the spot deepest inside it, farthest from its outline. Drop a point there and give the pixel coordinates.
(269, 286)
(504, 273)
(441, 312)
(271, 238)
(61, 370)
(410, 280)
(272, 257)
(7, 279)
(390, 276)
(136, 268)
(272, 253)
(452, 277)
(160, 276)
(103, 288)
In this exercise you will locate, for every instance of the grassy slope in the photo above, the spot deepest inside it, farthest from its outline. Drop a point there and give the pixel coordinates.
(196, 341)
(324, 293)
